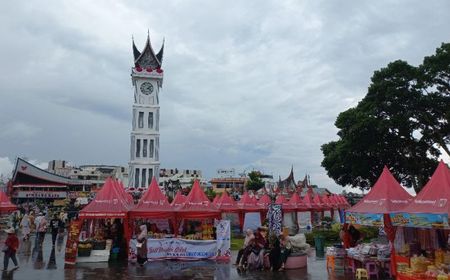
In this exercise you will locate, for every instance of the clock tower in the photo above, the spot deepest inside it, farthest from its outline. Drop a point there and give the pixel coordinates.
(147, 78)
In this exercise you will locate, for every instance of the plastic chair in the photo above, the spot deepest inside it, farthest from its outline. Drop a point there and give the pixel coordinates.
(372, 269)
(361, 273)
(330, 262)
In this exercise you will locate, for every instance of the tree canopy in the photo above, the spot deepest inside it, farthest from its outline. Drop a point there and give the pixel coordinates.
(254, 182)
(401, 122)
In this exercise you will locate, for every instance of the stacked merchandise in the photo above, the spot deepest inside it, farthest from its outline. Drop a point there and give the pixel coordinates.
(369, 251)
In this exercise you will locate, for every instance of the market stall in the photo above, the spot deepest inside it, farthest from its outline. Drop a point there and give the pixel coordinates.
(178, 200)
(263, 204)
(6, 208)
(422, 242)
(249, 213)
(307, 219)
(229, 210)
(92, 237)
(199, 234)
(385, 197)
(155, 211)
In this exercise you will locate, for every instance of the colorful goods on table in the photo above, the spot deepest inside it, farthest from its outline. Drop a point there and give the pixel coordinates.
(368, 251)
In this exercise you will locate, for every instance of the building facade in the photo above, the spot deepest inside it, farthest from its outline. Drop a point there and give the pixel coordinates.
(147, 79)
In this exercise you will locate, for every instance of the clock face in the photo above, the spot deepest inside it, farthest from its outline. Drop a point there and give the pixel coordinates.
(146, 88)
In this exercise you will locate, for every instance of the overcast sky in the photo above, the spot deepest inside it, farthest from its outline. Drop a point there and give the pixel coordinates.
(247, 84)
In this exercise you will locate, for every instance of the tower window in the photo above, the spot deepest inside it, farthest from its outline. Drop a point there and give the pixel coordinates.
(144, 177)
(150, 174)
(152, 147)
(144, 148)
(138, 147)
(136, 178)
(150, 120)
(141, 120)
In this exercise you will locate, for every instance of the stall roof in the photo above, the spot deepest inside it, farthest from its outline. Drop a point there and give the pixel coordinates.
(179, 199)
(6, 204)
(309, 202)
(247, 204)
(121, 190)
(197, 205)
(226, 204)
(318, 201)
(153, 204)
(386, 196)
(434, 198)
(296, 202)
(108, 203)
(264, 202)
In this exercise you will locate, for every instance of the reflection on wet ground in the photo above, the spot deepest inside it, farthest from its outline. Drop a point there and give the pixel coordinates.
(47, 262)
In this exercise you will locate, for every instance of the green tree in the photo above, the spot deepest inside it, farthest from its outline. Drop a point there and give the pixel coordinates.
(255, 182)
(385, 128)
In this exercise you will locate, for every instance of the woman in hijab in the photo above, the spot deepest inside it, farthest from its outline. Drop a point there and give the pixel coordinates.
(25, 224)
(142, 245)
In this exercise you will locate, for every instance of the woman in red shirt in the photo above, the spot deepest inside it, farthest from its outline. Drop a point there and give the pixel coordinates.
(10, 249)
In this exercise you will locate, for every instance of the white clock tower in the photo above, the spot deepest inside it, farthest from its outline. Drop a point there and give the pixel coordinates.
(147, 78)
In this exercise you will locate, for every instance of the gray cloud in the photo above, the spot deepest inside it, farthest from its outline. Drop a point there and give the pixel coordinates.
(249, 85)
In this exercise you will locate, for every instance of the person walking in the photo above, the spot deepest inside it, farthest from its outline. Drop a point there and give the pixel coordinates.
(10, 249)
(142, 246)
(41, 228)
(55, 225)
(25, 225)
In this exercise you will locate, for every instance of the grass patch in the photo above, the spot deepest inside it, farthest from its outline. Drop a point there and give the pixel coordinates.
(237, 243)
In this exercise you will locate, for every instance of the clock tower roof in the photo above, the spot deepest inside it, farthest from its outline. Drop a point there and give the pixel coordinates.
(148, 58)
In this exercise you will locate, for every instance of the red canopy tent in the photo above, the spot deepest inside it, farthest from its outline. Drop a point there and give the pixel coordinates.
(178, 200)
(246, 205)
(6, 205)
(285, 205)
(296, 202)
(434, 198)
(197, 205)
(264, 202)
(216, 198)
(108, 203)
(226, 204)
(153, 204)
(385, 197)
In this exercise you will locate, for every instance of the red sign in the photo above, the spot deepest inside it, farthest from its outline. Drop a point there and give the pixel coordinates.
(72, 243)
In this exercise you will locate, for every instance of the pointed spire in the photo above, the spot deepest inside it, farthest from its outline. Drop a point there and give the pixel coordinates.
(136, 52)
(159, 56)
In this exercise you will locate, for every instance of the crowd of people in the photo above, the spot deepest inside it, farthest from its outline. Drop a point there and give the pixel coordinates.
(258, 248)
(29, 223)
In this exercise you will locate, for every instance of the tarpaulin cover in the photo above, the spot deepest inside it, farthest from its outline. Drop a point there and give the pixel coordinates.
(6, 204)
(434, 198)
(153, 204)
(107, 203)
(197, 205)
(247, 204)
(226, 204)
(386, 196)
(178, 200)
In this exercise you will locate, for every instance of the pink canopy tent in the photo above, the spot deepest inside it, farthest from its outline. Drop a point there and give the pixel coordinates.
(6, 205)
(385, 197)
(121, 190)
(197, 205)
(264, 202)
(434, 198)
(153, 204)
(297, 203)
(285, 205)
(216, 198)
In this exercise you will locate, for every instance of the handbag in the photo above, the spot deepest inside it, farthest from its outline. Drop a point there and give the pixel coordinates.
(5, 248)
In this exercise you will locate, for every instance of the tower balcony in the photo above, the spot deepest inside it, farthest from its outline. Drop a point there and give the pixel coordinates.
(147, 73)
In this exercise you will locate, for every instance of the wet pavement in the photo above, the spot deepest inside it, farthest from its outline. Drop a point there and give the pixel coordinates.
(48, 263)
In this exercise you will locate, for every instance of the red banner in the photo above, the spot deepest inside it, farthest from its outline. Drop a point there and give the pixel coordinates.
(72, 243)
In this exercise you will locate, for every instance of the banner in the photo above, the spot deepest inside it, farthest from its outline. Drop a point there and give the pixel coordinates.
(175, 248)
(304, 220)
(421, 220)
(223, 239)
(72, 242)
(252, 221)
(365, 219)
(275, 219)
